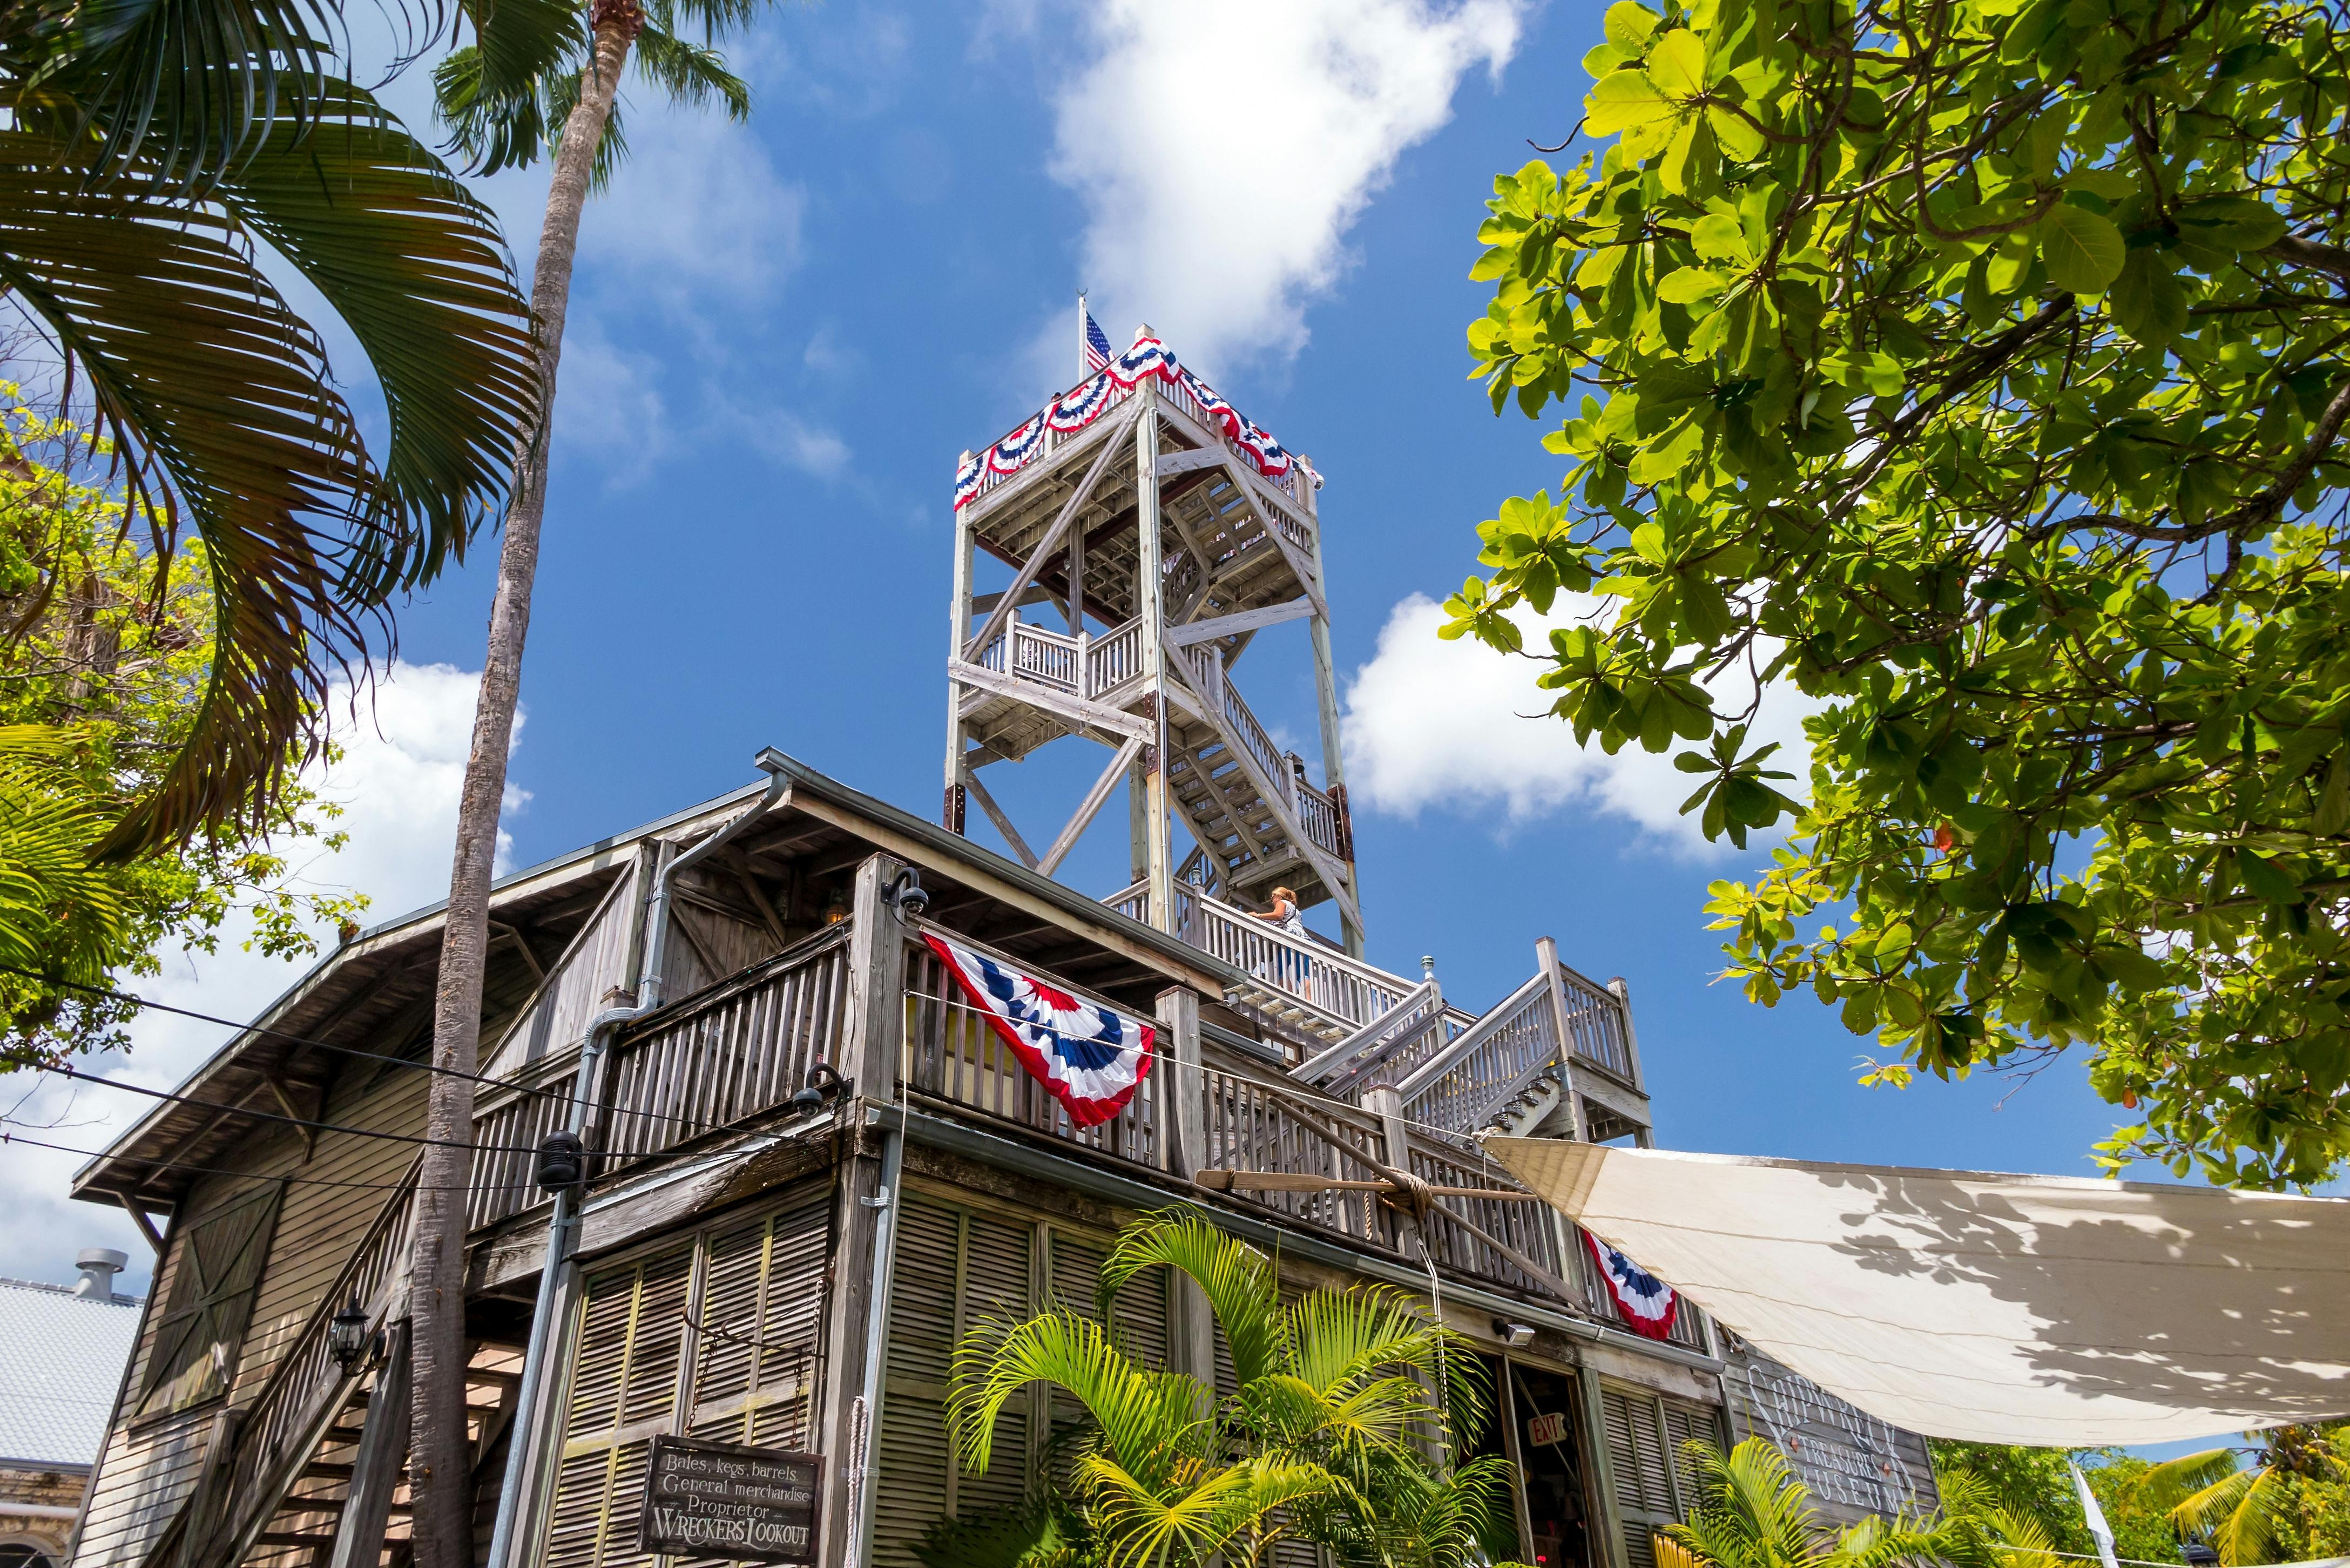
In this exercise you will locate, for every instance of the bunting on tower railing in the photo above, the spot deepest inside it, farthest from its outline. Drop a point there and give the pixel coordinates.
(1089, 1057)
(1086, 401)
(1648, 1304)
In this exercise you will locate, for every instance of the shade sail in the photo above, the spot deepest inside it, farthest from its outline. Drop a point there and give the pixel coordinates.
(2052, 1311)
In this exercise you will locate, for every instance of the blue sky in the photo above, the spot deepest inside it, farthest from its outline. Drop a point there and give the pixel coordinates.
(782, 336)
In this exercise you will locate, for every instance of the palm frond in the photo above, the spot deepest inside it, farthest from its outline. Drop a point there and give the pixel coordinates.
(1147, 1420)
(195, 363)
(1141, 1525)
(1237, 1280)
(2206, 1507)
(416, 267)
(2167, 1485)
(2249, 1532)
(693, 73)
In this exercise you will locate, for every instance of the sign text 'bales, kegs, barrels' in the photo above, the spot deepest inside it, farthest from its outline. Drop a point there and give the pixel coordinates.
(720, 1500)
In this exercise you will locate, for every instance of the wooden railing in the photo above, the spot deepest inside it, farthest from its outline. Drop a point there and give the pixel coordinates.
(1527, 1226)
(1034, 653)
(1594, 1022)
(1254, 1124)
(1113, 659)
(508, 1123)
(734, 1051)
(952, 1056)
(1454, 1087)
(1347, 989)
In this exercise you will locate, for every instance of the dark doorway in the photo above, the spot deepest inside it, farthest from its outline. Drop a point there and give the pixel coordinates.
(1557, 1501)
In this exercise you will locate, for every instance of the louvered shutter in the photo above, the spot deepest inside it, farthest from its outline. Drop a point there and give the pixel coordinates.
(1636, 1459)
(955, 1267)
(761, 1299)
(624, 1391)
(1684, 1425)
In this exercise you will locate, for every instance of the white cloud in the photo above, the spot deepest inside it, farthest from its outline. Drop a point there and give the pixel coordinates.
(609, 407)
(698, 215)
(1459, 727)
(403, 764)
(1224, 148)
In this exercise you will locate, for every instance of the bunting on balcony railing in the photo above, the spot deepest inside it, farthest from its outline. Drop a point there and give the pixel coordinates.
(1089, 399)
(1648, 1304)
(1089, 1057)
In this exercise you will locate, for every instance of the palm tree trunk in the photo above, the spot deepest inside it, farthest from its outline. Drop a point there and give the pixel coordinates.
(441, 1460)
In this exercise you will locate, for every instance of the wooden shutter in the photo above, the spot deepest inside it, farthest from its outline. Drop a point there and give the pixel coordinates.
(624, 1392)
(1684, 1425)
(954, 1268)
(759, 1309)
(1636, 1460)
(212, 1285)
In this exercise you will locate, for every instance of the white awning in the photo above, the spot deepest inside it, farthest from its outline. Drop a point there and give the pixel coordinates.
(2054, 1311)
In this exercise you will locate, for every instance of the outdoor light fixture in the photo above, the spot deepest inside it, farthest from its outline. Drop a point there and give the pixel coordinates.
(1516, 1336)
(906, 894)
(562, 1161)
(346, 1335)
(824, 1085)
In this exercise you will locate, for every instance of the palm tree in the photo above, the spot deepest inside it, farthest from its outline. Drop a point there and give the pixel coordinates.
(501, 110)
(2242, 1507)
(152, 152)
(1326, 1436)
(1755, 1513)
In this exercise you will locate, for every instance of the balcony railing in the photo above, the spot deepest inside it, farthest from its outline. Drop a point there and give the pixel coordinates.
(1081, 665)
(1347, 989)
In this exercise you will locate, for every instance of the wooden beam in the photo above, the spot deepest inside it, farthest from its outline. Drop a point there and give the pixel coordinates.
(1037, 594)
(1174, 462)
(139, 1217)
(996, 814)
(1090, 807)
(1060, 702)
(529, 956)
(1224, 625)
(742, 864)
(1045, 545)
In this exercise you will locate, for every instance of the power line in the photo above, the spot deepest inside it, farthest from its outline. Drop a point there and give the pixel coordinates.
(290, 1121)
(8, 1138)
(138, 1001)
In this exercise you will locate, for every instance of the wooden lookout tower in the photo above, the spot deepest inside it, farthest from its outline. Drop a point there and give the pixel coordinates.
(1152, 533)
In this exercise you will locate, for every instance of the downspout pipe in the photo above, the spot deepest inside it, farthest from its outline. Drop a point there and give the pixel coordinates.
(876, 1323)
(565, 1217)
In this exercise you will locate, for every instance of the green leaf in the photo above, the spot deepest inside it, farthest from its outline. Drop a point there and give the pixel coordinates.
(2232, 222)
(1677, 65)
(1687, 286)
(1622, 101)
(2083, 251)
(2147, 299)
(1629, 26)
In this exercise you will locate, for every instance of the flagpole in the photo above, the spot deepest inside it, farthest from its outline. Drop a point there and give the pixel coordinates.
(1081, 334)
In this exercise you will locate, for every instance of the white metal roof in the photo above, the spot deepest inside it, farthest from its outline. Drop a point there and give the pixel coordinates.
(61, 1359)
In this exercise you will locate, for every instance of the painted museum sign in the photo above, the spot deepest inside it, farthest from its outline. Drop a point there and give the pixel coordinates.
(721, 1500)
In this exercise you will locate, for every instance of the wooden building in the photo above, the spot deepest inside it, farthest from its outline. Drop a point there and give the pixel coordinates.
(769, 1256)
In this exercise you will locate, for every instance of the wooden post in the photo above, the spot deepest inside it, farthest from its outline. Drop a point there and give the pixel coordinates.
(1158, 849)
(376, 1469)
(871, 1050)
(1631, 1041)
(1326, 692)
(958, 627)
(1546, 960)
(1183, 1095)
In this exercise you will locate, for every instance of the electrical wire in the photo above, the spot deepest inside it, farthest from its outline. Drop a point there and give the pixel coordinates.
(290, 1121)
(8, 1138)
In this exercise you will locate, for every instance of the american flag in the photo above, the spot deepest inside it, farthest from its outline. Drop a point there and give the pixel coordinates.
(1091, 339)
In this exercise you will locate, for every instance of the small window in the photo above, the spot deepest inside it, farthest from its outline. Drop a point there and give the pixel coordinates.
(210, 1299)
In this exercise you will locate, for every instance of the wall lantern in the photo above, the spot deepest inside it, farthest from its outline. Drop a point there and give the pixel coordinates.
(1516, 1336)
(562, 1161)
(348, 1337)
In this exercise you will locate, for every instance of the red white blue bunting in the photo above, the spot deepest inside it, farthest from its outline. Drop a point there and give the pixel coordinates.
(1089, 1057)
(1648, 1304)
(1089, 399)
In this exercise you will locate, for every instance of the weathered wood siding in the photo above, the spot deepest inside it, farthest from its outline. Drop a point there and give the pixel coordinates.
(1854, 1463)
(150, 1466)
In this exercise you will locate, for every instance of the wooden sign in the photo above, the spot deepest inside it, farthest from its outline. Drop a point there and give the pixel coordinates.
(721, 1500)
(1544, 1429)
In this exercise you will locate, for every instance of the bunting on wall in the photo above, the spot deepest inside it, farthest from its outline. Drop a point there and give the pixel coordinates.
(1648, 1304)
(1089, 1057)
(1149, 359)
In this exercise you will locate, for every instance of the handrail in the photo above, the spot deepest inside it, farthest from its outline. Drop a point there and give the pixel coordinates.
(1344, 990)
(1484, 1029)
(1317, 1067)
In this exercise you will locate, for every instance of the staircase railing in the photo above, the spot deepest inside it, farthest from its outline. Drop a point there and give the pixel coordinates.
(1456, 1087)
(1346, 990)
(1113, 659)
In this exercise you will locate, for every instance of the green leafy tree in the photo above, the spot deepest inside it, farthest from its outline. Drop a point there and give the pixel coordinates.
(1976, 370)
(2035, 1484)
(1341, 1397)
(105, 660)
(152, 155)
(2257, 1512)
